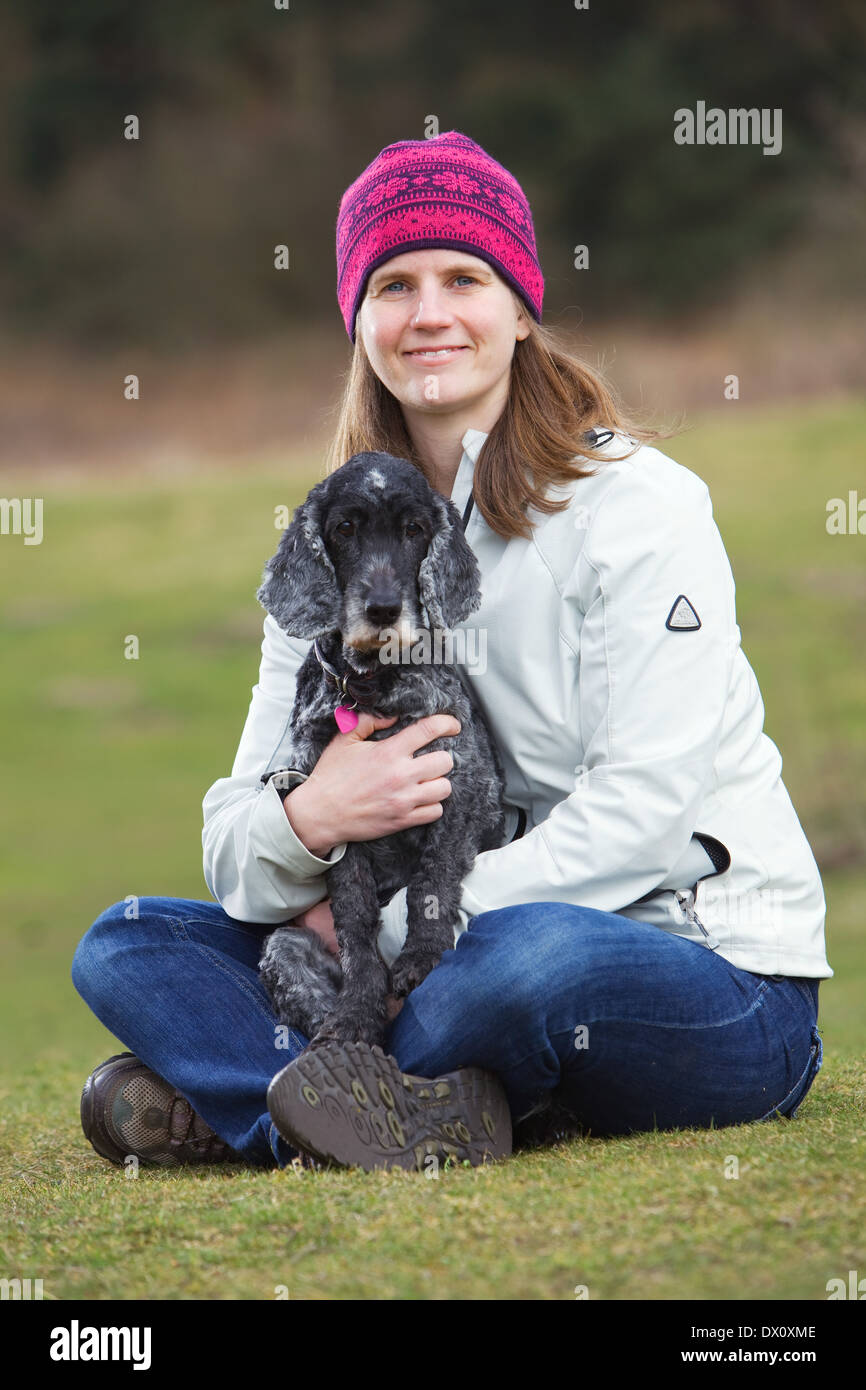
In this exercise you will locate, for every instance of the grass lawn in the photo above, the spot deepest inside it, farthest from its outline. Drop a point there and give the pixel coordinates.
(107, 760)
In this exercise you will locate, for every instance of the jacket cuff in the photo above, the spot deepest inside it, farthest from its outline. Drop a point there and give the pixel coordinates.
(271, 827)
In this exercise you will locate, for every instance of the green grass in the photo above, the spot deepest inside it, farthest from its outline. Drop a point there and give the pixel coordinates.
(651, 1216)
(106, 764)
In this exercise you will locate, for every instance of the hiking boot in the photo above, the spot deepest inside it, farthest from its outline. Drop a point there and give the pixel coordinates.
(128, 1111)
(349, 1104)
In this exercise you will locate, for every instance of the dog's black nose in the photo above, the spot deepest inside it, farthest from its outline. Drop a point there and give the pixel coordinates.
(383, 612)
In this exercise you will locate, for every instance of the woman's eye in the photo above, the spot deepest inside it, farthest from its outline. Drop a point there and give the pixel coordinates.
(401, 284)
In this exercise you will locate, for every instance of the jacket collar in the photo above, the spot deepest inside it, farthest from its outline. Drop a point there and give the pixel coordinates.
(472, 441)
(462, 489)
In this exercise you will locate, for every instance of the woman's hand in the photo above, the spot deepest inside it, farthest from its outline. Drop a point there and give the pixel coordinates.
(320, 919)
(362, 788)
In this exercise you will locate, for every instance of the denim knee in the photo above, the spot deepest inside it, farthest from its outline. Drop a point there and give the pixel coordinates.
(90, 970)
(521, 955)
(531, 934)
(514, 955)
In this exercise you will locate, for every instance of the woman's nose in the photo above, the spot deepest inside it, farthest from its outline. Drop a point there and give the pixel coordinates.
(430, 309)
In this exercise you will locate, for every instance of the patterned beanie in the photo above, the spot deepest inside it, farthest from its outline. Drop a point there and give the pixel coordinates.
(442, 192)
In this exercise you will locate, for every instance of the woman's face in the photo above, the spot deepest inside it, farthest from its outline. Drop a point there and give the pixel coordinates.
(421, 301)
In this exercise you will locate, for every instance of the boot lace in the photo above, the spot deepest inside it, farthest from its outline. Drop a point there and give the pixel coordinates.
(181, 1124)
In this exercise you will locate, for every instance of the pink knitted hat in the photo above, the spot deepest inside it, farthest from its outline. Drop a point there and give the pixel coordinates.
(441, 192)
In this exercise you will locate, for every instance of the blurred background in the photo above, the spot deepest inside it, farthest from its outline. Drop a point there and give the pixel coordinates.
(155, 256)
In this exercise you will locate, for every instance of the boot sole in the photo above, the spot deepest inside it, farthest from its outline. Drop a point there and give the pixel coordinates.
(351, 1105)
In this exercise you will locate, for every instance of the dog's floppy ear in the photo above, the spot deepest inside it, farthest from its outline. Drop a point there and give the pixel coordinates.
(299, 587)
(449, 580)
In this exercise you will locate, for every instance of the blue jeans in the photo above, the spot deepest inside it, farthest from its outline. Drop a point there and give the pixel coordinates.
(629, 1027)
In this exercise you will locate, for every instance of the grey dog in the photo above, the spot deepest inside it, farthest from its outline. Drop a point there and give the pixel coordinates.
(374, 551)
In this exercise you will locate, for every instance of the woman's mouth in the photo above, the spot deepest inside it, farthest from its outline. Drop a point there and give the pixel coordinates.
(443, 354)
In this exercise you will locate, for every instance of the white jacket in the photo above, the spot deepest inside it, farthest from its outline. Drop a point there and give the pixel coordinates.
(628, 718)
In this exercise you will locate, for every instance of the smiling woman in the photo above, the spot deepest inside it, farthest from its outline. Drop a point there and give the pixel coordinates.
(440, 337)
(447, 332)
(596, 979)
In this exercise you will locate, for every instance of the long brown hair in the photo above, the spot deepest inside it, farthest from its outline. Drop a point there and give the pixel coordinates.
(553, 398)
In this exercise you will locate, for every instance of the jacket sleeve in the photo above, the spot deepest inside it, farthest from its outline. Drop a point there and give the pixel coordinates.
(254, 864)
(651, 701)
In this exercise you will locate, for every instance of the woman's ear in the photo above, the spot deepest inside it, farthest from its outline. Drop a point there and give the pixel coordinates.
(449, 580)
(299, 587)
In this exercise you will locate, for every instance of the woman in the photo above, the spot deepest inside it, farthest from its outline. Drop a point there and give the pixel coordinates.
(645, 951)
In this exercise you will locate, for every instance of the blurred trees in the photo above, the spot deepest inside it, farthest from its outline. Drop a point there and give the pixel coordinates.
(253, 120)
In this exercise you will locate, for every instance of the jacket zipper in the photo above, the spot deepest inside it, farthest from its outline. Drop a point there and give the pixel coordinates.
(686, 901)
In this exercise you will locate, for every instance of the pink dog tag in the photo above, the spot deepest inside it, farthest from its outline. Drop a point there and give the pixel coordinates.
(346, 718)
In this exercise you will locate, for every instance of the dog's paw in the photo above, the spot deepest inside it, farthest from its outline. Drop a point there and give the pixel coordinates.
(348, 1028)
(410, 968)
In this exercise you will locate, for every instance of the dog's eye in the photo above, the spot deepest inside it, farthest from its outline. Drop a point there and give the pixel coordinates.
(345, 528)
(413, 529)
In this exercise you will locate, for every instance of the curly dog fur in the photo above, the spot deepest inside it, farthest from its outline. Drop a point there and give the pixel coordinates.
(374, 549)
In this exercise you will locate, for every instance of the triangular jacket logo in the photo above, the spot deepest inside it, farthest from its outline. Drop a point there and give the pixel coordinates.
(682, 617)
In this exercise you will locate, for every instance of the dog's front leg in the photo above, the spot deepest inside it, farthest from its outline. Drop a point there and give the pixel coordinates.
(360, 1013)
(433, 898)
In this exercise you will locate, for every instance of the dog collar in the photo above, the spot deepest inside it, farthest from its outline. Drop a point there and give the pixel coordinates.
(356, 688)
